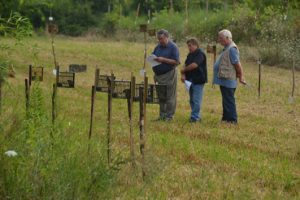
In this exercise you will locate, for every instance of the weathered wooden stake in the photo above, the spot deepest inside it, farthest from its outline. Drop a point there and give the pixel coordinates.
(27, 96)
(145, 50)
(30, 74)
(259, 78)
(214, 61)
(215, 53)
(54, 94)
(97, 72)
(92, 111)
(143, 100)
(130, 110)
(54, 102)
(109, 117)
(293, 71)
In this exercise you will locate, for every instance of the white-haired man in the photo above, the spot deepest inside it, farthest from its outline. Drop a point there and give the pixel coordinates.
(226, 71)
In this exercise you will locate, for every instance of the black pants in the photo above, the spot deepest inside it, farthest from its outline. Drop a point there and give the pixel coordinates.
(228, 102)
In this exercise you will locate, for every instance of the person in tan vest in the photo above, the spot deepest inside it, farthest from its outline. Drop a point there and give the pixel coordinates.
(227, 69)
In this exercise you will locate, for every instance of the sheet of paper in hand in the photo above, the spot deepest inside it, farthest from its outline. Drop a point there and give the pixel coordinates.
(151, 60)
(187, 85)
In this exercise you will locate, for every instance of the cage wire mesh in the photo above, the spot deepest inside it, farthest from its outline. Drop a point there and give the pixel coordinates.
(157, 93)
(121, 89)
(102, 83)
(37, 73)
(66, 79)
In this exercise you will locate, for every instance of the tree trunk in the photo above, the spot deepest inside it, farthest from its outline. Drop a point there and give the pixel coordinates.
(171, 6)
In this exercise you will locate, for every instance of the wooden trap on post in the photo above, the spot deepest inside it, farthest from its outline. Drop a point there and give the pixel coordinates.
(121, 89)
(52, 28)
(76, 68)
(35, 74)
(156, 93)
(102, 82)
(66, 80)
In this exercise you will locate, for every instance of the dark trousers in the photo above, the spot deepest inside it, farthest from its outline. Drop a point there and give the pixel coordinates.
(229, 107)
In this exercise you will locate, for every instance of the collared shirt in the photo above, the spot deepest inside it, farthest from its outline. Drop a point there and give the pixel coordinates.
(169, 51)
(234, 59)
(199, 74)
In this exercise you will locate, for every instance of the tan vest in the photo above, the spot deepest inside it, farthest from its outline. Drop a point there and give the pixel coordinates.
(226, 69)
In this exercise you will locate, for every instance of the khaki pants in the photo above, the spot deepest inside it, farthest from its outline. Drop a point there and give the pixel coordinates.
(167, 108)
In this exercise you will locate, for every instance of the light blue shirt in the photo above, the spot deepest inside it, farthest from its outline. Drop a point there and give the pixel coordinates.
(234, 59)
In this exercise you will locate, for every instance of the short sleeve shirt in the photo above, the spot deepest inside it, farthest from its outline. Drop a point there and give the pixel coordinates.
(169, 51)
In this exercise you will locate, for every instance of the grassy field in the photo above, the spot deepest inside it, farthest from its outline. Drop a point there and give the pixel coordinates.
(258, 159)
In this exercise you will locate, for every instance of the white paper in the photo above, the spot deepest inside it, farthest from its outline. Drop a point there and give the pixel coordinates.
(151, 60)
(142, 72)
(187, 85)
(54, 72)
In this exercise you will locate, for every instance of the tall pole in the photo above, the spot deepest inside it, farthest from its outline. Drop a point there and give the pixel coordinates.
(259, 77)
(93, 101)
(143, 100)
(27, 96)
(293, 72)
(130, 110)
(109, 117)
(145, 50)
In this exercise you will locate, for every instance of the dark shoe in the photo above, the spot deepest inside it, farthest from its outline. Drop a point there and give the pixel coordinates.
(193, 120)
(229, 122)
(169, 119)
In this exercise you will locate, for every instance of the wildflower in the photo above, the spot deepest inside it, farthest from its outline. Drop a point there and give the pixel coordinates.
(11, 153)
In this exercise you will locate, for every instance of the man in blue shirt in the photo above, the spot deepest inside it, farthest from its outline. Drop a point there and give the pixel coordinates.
(165, 73)
(226, 71)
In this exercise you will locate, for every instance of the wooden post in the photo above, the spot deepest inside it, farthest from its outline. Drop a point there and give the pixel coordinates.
(215, 53)
(97, 72)
(57, 75)
(145, 50)
(53, 50)
(130, 110)
(42, 74)
(92, 111)
(293, 72)
(143, 100)
(214, 61)
(30, 75)
(109, 117)
(27, 96)
(54, 103)
(259, 77)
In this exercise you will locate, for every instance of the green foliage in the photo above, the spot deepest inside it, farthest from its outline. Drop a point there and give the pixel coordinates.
(51, 163)
(279, 37)
(171, 22)
(110, 23)
(17, 27)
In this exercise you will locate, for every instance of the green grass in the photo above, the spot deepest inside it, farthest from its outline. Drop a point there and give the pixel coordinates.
(258, 159)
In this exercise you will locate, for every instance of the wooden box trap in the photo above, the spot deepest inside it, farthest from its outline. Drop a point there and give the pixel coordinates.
(66, 79)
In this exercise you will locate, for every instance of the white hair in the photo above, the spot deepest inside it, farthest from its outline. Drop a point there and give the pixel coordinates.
(226, 33)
